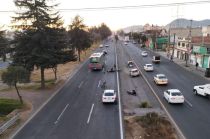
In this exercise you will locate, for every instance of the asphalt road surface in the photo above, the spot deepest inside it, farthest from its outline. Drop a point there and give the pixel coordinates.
(192, 117)
(76, 111)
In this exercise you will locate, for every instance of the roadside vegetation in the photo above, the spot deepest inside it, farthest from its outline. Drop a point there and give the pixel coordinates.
(149, 126)
(8, 105)
(145, 104)
(43, 51)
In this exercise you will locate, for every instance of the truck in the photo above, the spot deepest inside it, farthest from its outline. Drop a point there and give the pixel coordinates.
(156, 59)
(203, 90)
(126, 39)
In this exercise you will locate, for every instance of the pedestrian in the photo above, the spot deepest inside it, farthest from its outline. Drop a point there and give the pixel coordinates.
(196, 65)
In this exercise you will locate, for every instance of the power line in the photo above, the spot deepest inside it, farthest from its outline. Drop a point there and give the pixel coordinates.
(136, 6)
(123, 7)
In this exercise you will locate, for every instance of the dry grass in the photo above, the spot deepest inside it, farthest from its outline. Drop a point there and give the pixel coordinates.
(63, 69)
(156, 127)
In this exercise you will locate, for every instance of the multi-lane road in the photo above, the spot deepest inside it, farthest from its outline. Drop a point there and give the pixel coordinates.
(193, 116)
(76, 111)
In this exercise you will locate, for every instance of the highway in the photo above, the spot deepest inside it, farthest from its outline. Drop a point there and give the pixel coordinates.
(193, 116)
(76, 111)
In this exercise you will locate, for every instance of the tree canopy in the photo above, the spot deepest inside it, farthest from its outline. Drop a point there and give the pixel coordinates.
(80, 39)
(14, 75)
(41, 42)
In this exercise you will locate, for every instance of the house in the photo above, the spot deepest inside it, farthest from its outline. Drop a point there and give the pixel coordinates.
(201, 51)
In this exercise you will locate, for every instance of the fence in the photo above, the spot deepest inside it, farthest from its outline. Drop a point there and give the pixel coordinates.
(9, 123)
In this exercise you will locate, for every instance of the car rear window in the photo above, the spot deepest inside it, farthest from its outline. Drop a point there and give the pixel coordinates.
(109, 94)
(162, 77)
(176, 94)
(149, 65)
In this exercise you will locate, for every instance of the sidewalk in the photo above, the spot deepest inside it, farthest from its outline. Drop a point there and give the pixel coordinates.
(199, 71)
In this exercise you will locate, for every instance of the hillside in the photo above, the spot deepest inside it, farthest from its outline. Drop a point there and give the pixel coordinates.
(135, 28)
(181, 22)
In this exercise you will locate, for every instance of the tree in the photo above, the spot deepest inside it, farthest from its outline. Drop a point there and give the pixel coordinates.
(14, 75)
(79, 38)
(41, 41)
(104, 31)
(3, 45)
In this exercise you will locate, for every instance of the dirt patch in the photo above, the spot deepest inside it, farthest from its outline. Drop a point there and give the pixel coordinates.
(150, 126)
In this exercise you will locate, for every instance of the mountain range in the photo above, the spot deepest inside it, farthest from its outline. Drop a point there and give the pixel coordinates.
(177, 23)
(183, 23)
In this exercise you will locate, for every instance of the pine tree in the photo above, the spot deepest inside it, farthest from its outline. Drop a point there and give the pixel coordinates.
(40, 41)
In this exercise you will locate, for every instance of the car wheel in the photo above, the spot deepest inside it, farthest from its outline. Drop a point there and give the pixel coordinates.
(168, 101)
(195, 92)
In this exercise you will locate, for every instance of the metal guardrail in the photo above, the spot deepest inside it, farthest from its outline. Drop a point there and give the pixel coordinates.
(9, 123)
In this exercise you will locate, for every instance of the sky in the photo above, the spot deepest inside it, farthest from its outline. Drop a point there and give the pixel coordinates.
(117, 19)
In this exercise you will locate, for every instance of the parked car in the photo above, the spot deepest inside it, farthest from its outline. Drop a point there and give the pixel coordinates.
(130, 64)
(109, 96)
(160, 79)
(203, 90)
(173, 96)
(134, 72)
(144, 53)
(106, 45)
(156, 59)
(148, 67)
(125, 43)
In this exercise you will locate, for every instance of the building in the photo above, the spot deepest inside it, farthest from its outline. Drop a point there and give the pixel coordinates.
(201, 51)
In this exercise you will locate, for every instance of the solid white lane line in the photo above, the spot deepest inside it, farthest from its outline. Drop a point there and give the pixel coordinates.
(80, 84)
(119, 98)
(188, 102)
(61, 114)
(91, 110)
(99, 83)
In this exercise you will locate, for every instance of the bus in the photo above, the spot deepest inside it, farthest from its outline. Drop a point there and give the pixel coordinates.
(96, 61)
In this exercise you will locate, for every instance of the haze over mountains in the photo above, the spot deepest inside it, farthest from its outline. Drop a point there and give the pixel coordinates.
(177, 23)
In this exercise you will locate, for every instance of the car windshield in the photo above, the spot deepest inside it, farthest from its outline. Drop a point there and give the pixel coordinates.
(109, 94)
(162, 77)
(94, 60)
(176, 94)
(149, 65)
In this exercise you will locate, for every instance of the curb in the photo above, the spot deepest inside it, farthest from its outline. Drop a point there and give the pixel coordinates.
(122, 136)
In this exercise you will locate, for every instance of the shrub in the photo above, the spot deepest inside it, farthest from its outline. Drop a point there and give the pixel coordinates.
(144, 104)
(8, 105)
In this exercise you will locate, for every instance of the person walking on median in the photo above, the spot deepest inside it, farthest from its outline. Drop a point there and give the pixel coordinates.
(196, 65)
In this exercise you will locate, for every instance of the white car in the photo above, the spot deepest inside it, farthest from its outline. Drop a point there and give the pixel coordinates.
(148, 67)
(134, 72)
(160, 79)
(101, 46)
(173, 96)
(130, 64)
(125, 43)
(109, 96)
(203, 90)
(106, 45)
(144, 53)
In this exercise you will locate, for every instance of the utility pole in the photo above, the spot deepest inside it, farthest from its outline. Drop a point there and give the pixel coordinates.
(189, 44)
(169, 41)
(172, 56)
